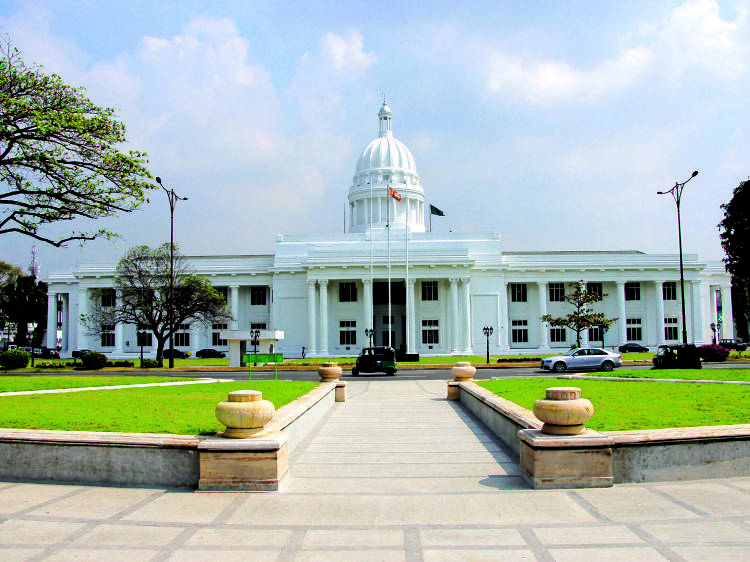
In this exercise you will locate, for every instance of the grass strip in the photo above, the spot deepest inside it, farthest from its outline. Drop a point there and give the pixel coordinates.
(182, 410)
(640, 405)
(16, 383)
(682, 374)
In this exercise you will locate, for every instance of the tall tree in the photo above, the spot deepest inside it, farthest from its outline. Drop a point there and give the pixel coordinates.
(58, 155)
(23, 301)
(142, 296)
(9, 272)
(582, 317)
(734, 230)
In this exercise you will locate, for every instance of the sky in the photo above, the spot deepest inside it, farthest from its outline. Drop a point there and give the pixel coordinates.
(553, 123)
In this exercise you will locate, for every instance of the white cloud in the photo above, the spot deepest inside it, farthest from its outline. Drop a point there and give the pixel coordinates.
(346, 54)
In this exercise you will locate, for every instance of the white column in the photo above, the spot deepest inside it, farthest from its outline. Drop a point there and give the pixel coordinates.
(543, 327)
(119, 329)
(234, 303)
(727, 324)
(659, 312)
(195, 332)
(274, 322)
(366, 311)
(503, 339)
(66, 322)
(83, 303)
(621, 313)
(323, 317)
(466, 324)
(311, 336)
(712, 316)
(411, 317)
(454, 314)
(697, 312)
(52, 320)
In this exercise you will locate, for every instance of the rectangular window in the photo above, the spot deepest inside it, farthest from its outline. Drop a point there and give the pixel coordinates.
(182, 339)
(348, 332)
(595, 333)
(348, 291)
(429, 290)
(258, 326)
(557, 292)
(669, 291)
(519, 329)
(430, 332)
(557, 335)
(109, 298)
(595, 289)
(224, 292)
(107, 335)
(634, 332)
(144, 338)
(671, 329)
(216, 339)
(518, 292)
(257, 296)
(632, 291)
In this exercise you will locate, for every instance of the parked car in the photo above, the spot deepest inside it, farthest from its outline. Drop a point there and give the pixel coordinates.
(632, 348)
(209, 354)
(584, 358)
(376, 360)
(78, 353)
(48, 353)
(734, 343)
(680, 356)
(177, 353)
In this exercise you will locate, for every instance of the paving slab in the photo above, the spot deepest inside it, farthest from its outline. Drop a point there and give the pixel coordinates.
(395, 473)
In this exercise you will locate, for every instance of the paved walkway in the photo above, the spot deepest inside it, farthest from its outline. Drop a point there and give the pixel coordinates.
(389, 475)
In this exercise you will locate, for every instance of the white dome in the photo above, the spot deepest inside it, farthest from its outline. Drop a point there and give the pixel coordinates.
(389, 153)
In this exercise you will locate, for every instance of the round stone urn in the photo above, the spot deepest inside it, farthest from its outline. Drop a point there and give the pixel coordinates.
(563, 411)
(245, 413)
(329, 372)
(463, 371)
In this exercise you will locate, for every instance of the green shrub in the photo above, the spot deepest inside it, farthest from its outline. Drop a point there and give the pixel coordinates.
(14, 359)
(149, 363)
(93, 361)
(51, 364)
(119, 363)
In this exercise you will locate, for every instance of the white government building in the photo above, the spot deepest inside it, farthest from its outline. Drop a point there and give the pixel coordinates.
(323, 292)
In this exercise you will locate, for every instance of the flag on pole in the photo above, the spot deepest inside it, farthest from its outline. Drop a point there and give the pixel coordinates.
(435, 211)
(395, 194)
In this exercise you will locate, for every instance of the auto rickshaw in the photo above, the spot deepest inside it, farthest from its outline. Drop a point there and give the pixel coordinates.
(682, 356)
(376, 360)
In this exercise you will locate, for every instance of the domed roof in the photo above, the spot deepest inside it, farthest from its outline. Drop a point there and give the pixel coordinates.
(389, 153)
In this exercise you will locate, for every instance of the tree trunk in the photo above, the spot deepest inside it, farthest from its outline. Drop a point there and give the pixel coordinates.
(160, 350)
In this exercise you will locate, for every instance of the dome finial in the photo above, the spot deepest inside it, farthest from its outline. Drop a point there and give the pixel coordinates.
(384, 116)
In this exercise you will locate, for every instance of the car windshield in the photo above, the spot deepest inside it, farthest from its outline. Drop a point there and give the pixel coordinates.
(571, 352)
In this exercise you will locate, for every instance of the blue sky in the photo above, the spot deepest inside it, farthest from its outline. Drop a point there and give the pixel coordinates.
(554, 123)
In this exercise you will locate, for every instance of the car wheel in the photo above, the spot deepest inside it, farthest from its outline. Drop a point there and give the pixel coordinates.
(390, 372)
(355, 372)
(607, 366)
(559, 367)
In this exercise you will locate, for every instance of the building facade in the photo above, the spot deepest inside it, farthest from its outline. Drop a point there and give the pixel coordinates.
(430, 293)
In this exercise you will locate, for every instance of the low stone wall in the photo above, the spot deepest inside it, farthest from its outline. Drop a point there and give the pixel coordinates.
(637, 456)
(142, 459)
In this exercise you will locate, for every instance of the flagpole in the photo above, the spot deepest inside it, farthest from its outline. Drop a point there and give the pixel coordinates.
(388, 228)
(407, 315)
(372, 281)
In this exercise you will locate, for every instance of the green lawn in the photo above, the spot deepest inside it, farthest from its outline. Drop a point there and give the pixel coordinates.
(690, 374)
(640, 405)
(15, 383)
(182, 410)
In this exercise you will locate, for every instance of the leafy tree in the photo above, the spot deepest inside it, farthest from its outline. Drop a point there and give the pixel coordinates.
(142, 289)
(22, 301)
(9, 272)
(735, 239)
(582, 317)
(58, 155)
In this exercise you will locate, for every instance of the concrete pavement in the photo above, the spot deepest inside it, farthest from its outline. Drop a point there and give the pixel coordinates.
(395, 473)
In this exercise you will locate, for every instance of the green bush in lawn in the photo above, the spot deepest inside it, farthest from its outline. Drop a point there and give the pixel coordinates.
(119, 364)
(50, 364)
(93, 361)
(149, 363)
(14, 359)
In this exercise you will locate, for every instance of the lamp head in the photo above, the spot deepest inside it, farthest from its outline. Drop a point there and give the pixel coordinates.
(695, 173)
(158, 180)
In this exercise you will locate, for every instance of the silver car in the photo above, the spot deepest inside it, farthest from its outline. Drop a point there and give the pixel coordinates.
(584, 358)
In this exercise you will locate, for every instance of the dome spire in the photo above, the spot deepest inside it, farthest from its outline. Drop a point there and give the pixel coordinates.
(384, 117)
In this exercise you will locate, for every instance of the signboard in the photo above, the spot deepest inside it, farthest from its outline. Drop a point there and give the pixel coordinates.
(263, 358)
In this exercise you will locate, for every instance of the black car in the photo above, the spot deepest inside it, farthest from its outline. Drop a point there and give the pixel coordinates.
(209, 353)
(376, 360)
(176, 353)
(734, 343)
(78, 353)
(680, 356)
(632, 347)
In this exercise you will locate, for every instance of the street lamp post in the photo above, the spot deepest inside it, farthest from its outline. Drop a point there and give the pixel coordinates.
(676, 192)
(713, 329)
(141, 336)
(369, 332)
(487, 330)
(173, 198)
(255, 335)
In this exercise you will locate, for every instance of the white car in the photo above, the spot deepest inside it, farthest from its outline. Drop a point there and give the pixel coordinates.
(583, 358)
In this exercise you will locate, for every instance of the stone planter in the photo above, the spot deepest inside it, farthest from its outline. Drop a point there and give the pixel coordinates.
(563, 411)
(245, 413)
(463, 371)
(329, 372)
